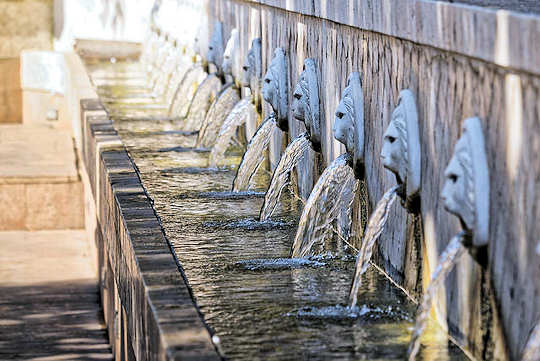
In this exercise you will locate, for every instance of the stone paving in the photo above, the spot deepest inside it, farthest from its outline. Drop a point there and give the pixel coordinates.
(49, 300)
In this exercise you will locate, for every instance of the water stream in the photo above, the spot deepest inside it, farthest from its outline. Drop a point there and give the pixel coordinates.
(216, 115)
(242, 111)
(185, 91)
(331, 198)
(293, 154)
(202, 100)
(375, 226)
(254, 154)
(532, 348)
(447, 261)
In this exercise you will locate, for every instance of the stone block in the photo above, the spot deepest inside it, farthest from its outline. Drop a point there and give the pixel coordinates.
(10, 91)
(36, 105)
(10, 106)
(26, 24)
(13, 200)
(54, 206)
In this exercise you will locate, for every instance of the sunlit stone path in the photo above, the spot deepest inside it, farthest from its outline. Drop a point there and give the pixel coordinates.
(49, 300)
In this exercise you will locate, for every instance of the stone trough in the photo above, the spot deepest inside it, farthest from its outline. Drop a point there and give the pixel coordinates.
(453, 65)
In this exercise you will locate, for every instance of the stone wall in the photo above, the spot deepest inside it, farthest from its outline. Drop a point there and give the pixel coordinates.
(25, 24)
(459, 62)
(10, 91)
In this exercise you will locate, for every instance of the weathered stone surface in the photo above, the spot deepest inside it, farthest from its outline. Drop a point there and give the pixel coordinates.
(505, 38)
(449, 85)
(105, 49)
(148, 306)
(39, 181)
(13, 198)
(26, 24)
(10, 91)
(49, 300)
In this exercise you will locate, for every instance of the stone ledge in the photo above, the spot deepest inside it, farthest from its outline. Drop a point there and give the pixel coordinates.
(105, 49)
(502, 37)
(148, 306)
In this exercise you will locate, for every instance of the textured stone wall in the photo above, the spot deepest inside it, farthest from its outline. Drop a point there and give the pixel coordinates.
(477, 304)
(26, 24)
(10, 91)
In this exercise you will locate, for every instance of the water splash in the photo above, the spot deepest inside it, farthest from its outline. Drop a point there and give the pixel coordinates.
(340, 313)
(447, 261)
(215, 117)
(532, 349)
(185, 92)
(290, 158)
(277, 264)
(254, 154)
(202, 100)
(374, 229)
(250, 224)
(243, 110)
(331, 197)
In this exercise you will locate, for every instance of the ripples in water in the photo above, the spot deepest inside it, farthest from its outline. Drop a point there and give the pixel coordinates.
(341, 312)
(250, 224)
(194, 170)
(181, 149)
(231, 195)
(275, 264)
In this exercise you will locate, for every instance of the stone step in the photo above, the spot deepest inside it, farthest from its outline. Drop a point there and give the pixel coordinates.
(40, 187)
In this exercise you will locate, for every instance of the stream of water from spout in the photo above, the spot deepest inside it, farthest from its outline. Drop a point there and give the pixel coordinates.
(176, 78)
(447, 261)
(243, 110)
(216, 115)
(532, 348)
(185, 92)
(331, 197)
(202, 100)
(375, 226)
(290, 158)
(172, 64)
(254, 154)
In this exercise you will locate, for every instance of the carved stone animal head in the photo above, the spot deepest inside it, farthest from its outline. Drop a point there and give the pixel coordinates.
(252, 69)
(306, 105)
(349, 122)
(401, 149)
(215, 48)
(275, 87)
(230, 56)
(466, 186)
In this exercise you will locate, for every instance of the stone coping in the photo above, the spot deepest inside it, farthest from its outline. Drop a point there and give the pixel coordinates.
(159, 315)
(505, 38)
(105, 49)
